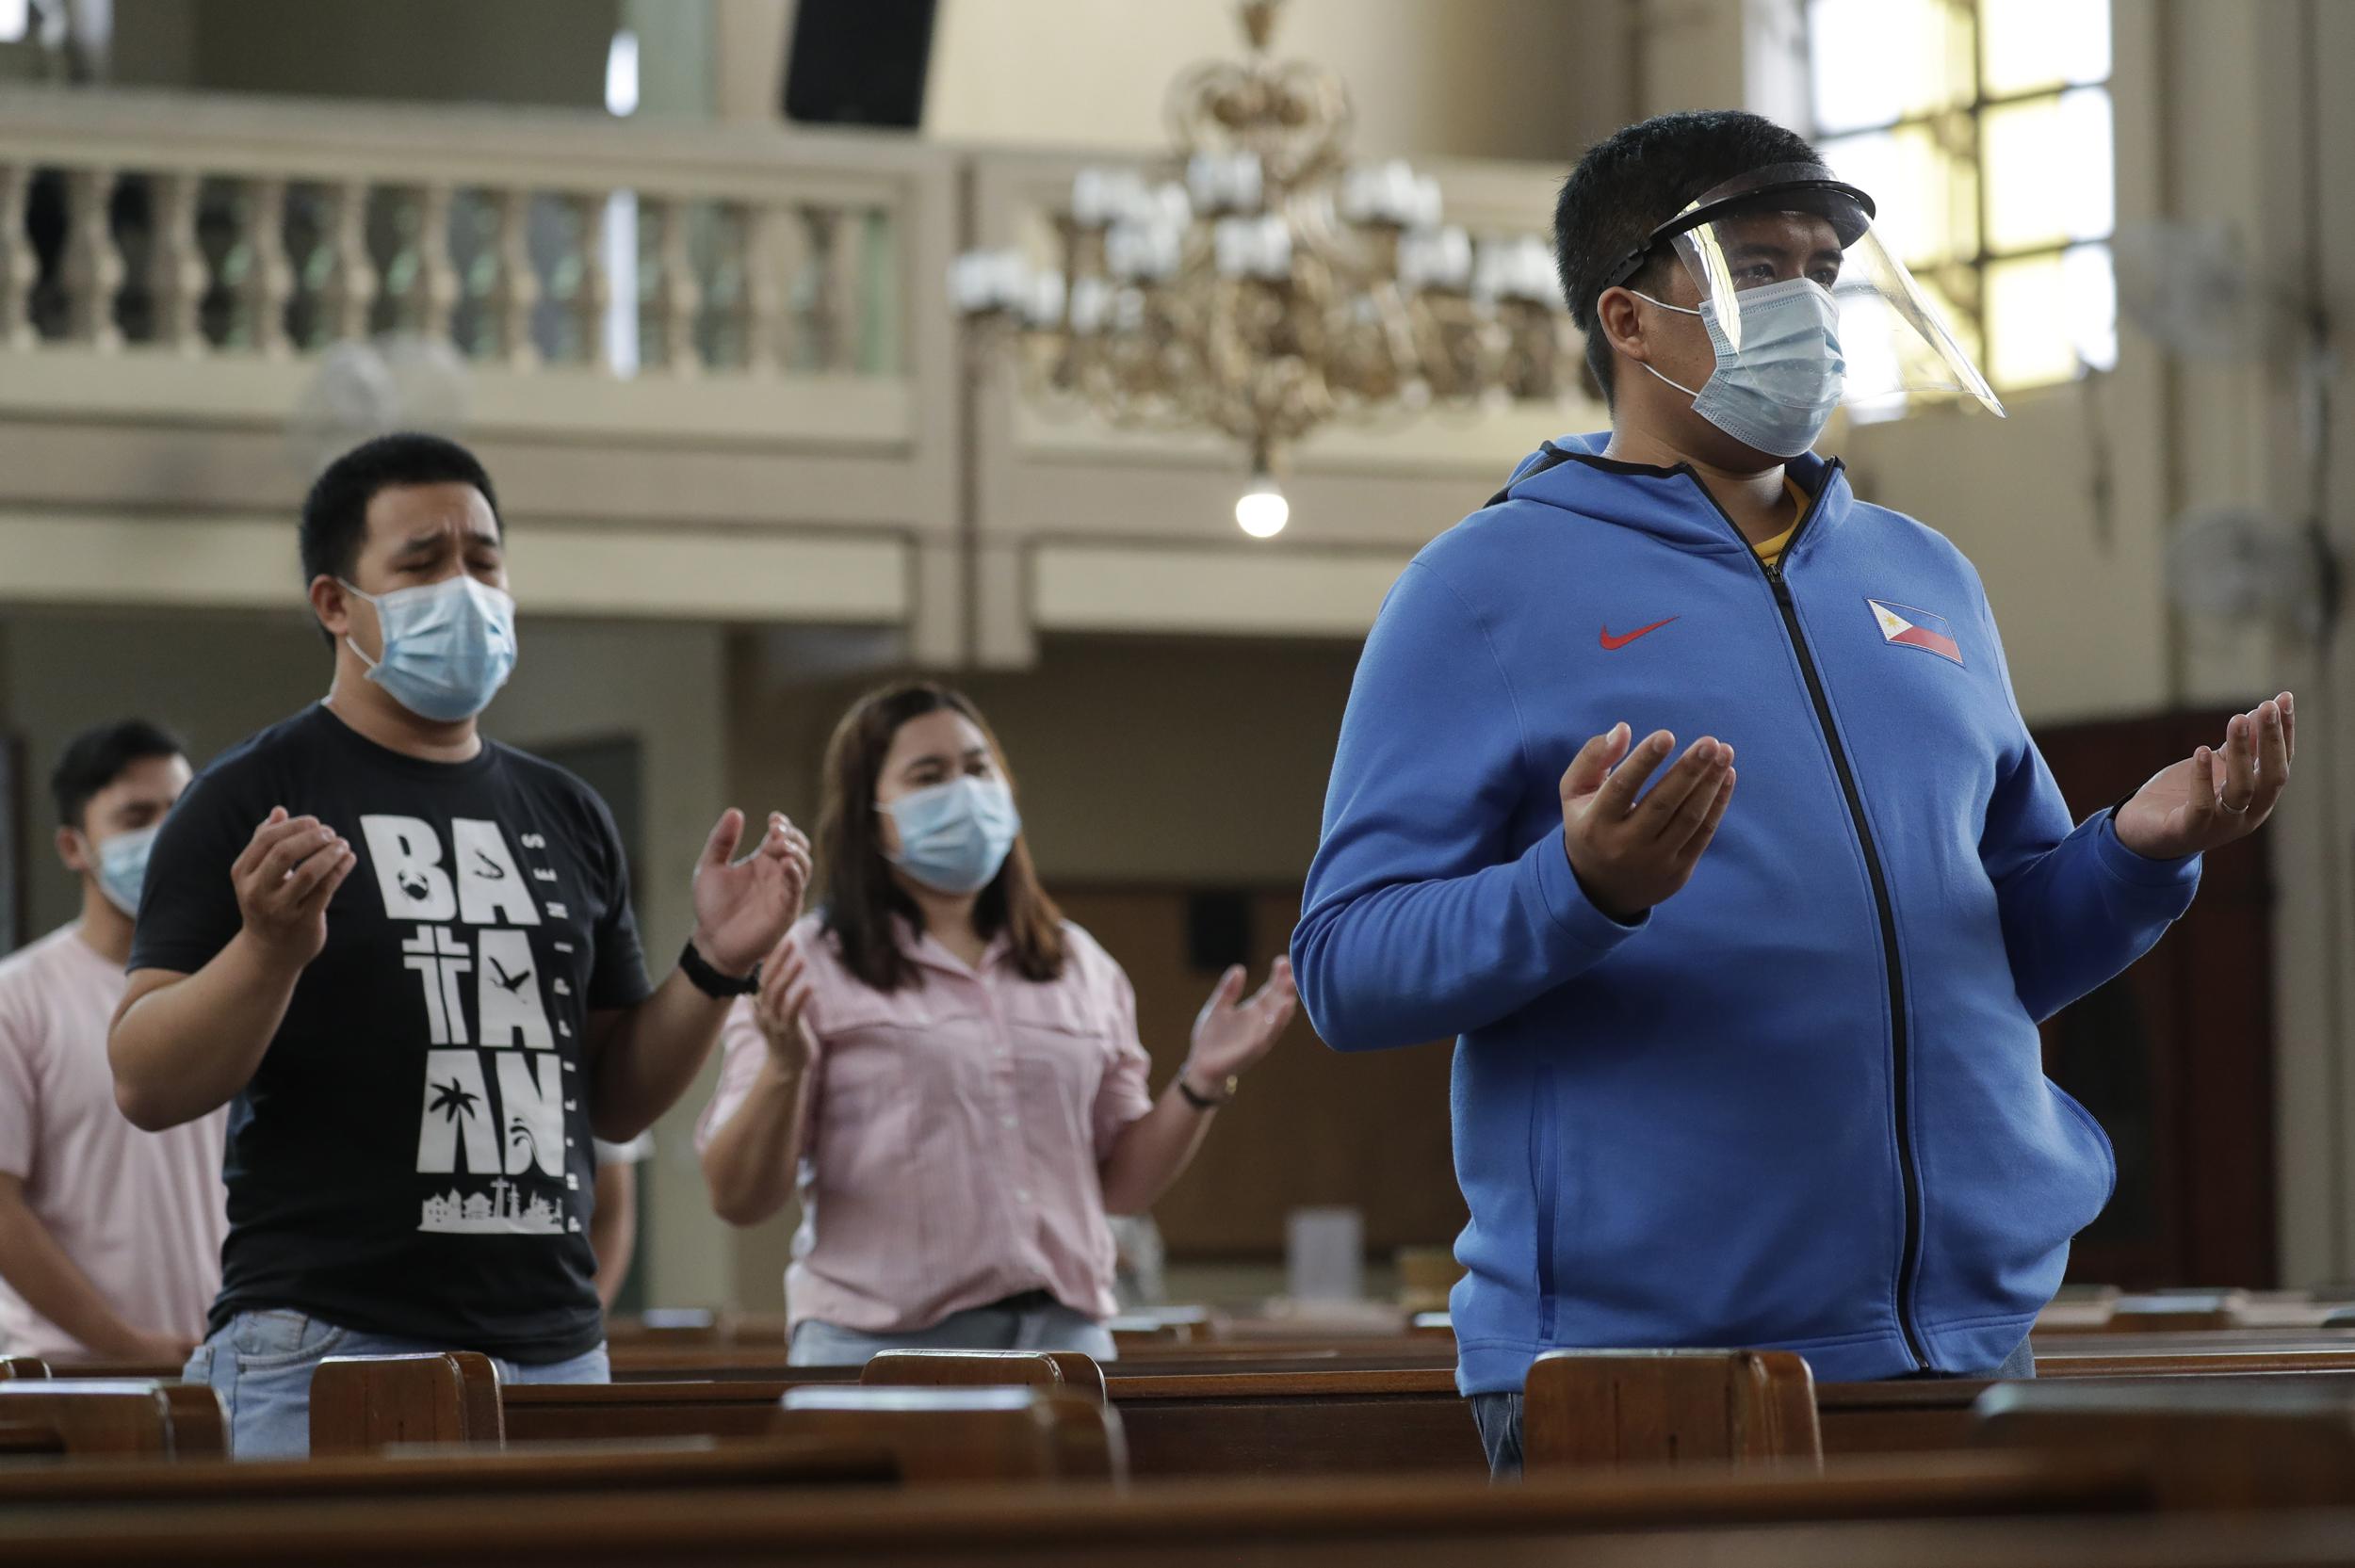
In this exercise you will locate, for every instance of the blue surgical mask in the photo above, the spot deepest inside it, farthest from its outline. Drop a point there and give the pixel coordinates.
(122, 867)
(954, 836)
(449, 646)
(1777, 392)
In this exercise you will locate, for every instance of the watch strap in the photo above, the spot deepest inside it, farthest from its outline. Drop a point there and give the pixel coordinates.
(704, 977)
(1201, 1101)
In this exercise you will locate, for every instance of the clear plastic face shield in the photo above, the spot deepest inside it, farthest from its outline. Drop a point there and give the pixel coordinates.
(1791, 221)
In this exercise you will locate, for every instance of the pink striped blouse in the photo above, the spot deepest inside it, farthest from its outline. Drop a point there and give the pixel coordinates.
(952, 1149)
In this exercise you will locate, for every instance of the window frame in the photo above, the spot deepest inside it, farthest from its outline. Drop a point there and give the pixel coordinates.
(1961, 276)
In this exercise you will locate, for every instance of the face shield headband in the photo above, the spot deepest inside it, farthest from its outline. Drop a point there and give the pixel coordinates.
(1898, 342)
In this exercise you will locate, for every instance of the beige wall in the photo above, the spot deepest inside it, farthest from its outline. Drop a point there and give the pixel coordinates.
(1477, 78)
(550, 52)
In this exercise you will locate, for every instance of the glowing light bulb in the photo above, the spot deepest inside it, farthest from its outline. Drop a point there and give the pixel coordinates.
(1261, 511)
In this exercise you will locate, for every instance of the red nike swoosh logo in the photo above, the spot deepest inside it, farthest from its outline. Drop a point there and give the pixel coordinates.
(1613, 644)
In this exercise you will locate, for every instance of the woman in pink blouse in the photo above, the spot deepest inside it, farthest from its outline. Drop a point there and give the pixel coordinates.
(947, 1070)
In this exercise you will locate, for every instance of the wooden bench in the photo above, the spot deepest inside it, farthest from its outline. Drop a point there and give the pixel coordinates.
(74, 1419)
(682, 1464)
(363, 1404)
(1262, 1423)
(1068, 1370)
(1616, 1410)
(1362, 1523)
(2243, 1444)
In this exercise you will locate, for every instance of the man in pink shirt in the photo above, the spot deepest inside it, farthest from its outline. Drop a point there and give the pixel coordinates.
(109, 1236)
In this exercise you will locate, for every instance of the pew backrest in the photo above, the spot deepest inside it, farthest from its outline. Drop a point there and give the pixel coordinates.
(78, 1418)
(362, 1403)
(964, 1434)
(2247, 1444)
(1069, 1370)
(1622, 1409)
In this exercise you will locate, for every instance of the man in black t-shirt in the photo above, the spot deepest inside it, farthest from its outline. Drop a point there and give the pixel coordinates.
(406, 954)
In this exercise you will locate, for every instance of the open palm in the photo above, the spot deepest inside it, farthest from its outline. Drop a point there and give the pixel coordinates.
(1229, 1035)
(744, 907)
(2211, 797)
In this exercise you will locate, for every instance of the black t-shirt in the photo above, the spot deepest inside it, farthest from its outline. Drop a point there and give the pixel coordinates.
(413, 1157)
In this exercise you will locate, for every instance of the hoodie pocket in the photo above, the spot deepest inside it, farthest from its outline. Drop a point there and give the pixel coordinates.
(1545, 1176)
(2101, 1138)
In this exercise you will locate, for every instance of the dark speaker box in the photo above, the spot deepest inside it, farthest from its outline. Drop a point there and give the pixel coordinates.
(1218, 931)
(858, 62)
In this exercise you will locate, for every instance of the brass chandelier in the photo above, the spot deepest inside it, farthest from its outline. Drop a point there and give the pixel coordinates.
(1260, 286)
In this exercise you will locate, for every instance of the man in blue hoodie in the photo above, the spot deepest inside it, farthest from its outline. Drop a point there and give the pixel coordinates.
(1738, 1071)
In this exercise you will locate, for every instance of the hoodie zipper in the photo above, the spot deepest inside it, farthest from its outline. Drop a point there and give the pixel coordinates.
(1909, 1256)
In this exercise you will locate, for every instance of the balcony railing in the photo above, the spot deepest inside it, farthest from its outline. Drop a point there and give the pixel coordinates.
(731, 340)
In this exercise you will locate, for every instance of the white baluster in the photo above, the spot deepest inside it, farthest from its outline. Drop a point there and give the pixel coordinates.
(268, 284)
(93, 262)
(516, 291)
(595, 289)
(17, 261)
(759, 301)
(826, 313)
(351, 283)
(843, 281)
(433, 293)
(176, 276)
(678, 293)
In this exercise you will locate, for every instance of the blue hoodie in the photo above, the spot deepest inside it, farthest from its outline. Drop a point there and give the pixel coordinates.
(1800, 1104)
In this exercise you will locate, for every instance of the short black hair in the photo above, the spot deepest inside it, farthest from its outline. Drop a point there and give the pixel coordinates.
(336, 514)
(97, 757)
(1636, 179)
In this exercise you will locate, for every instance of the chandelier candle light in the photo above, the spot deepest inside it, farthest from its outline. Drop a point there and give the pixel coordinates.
(1260, 286)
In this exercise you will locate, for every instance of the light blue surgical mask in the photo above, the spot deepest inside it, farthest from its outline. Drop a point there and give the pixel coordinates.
(122, 867)
(954, 836)
(449, 646)
(1777, 392)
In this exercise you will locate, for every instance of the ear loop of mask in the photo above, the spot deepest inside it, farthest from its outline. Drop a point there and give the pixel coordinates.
(1681, 310)
(351, 642)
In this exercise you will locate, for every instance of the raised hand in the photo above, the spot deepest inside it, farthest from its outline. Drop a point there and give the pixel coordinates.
(777, 1007)
(2213, 798)
(1230, 1035)
(1631, 854)
(744, 908)
(285, 879)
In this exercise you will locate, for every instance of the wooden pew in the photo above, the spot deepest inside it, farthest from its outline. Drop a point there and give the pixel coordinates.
(965, 1434)
(360, 1404)
(2037, 1512)
(363, 1404)
(1257, 1423)
(1063, 1369)
(682, 1464)
(2242, 1444)
(73, 1419)
(1237, 1424)
(1619, 1410)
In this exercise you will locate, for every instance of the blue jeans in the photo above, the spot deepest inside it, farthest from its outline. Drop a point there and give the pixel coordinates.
(1024, 1324)
(260, 1363)
(1498, 1415)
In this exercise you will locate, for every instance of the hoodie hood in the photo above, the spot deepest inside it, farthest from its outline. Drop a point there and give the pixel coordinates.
(1570, 472)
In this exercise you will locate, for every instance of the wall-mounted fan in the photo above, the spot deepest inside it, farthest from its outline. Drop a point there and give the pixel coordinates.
(2189, 287)
(362, 388)
(2238, 564)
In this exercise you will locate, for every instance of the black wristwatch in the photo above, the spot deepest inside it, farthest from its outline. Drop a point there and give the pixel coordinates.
(711, 981)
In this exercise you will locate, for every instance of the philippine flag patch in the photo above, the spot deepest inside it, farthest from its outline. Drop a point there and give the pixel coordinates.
(1913, 628)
